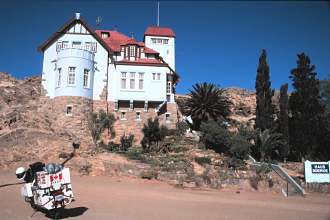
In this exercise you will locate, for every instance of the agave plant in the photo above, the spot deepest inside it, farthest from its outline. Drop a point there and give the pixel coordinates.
(207, 101)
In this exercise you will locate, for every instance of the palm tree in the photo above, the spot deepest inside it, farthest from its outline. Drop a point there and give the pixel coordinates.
(269, 143)
(207, 101)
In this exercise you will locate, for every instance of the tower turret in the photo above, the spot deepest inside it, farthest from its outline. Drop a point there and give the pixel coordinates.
(161, 39)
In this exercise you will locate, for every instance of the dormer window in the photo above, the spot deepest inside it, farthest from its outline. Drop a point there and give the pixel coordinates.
(105, 34)
(132, 51)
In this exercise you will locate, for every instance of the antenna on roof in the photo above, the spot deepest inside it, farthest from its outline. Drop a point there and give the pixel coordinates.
(158, 14)
(98, 20)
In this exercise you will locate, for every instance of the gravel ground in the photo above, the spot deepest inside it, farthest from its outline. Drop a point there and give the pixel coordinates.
(113, 198)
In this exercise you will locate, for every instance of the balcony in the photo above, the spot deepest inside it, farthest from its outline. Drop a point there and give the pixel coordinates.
(75, 52)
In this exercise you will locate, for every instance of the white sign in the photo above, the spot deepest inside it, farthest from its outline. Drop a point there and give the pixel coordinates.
(317, 172)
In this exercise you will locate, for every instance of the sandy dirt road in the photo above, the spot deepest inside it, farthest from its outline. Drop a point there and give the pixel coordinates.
(134, 199)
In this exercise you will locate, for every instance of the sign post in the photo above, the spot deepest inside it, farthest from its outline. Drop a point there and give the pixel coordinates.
(317, 172)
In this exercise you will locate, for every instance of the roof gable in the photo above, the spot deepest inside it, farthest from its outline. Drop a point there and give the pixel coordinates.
(66, 29)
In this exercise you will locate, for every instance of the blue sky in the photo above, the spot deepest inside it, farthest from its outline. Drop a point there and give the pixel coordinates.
(217, 41)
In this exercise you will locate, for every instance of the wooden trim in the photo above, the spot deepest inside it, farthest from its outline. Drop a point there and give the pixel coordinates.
(67, 26)
(141, 64)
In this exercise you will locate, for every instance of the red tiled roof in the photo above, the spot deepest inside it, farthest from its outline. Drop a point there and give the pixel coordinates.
(149, 50)
(117, 39)
(159, 31)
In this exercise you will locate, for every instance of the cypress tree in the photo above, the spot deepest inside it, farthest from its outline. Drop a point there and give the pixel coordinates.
(283, 119)
(264, 94)
(306, 109)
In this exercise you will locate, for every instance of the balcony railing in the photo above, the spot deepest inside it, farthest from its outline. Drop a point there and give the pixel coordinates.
(75, 52)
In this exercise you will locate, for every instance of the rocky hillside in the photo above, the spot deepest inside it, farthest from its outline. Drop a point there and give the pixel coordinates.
(28, 135)
(242, 109)
(25, 134)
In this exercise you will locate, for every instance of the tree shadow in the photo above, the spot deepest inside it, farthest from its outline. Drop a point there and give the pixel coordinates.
(66, 213)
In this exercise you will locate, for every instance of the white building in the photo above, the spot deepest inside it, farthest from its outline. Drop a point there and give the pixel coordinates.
(86, 70)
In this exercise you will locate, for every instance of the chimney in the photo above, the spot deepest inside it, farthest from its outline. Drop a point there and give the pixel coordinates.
(77, 15)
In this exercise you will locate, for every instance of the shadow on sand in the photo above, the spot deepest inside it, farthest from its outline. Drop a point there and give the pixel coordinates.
(66, 213)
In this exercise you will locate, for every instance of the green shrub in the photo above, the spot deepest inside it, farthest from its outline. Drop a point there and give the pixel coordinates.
(134, 153)
(149, 174)
(215, 136)
(126, 142)
(98, 122)
(263, 169)
(202, 160)
(236, 163)
(240, 147)
(182, 127)
(153, 134)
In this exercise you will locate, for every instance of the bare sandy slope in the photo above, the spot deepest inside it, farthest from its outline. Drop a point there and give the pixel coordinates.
(110, 198)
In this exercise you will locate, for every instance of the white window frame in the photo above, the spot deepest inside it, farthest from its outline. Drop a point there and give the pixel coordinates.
(123, 113)
(76, 44)
(158, 76)
(123, 77)
(138, 116)
(86, 83)
(59, 76)
(132, 80)
(132, 51)
(105, 34)
(66, 110)
(169, 87)
(70, 74)
(141, 81)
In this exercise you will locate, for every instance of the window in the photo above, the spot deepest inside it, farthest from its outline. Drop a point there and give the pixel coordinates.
(165, 41)
(158, 76)
(71, 75)
(154, 40)
(69, 110)
(65, 44)
(58, 83)
(167, 116)
(159, 41)
(123, 80)
(169, 87)
(153, 76)
(132, 81)
(62, 45)
(86, 78)
(141, 75)
(76, 44)
(132, 51)
(123, 116)
(138, 116)
(105, 34)
(90, 46)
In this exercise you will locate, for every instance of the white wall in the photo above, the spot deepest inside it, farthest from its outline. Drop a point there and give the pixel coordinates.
(153, 90)
(167, 51)
(98, 81)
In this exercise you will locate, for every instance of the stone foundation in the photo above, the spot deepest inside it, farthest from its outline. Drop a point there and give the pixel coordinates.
(131, 125)
(77, 122)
